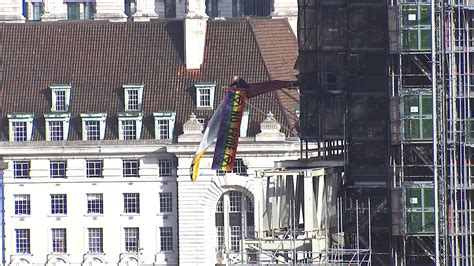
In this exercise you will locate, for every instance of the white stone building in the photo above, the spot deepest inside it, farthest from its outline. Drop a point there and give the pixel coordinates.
(142, 10)
(95, 127)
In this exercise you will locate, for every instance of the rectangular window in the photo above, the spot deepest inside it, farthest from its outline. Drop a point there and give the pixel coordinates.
(22, 204)
(19, 130)
(22, 241)
(89, 10)
(129, 129)
(21, 169)
(204, 97)
(166, 202)
(239, 168)
(93, 168)
(56, 130)
(170, 8)
(131, 203)
(73, 11)
(57, 169)
(59, 240)
(60, 101)
(163, 128)
(235, 199)
(235, 237)
(132, 101)
(58, 204)
(96, 244)
(164, 167)
(130, 168)
(92, 128)
(220, 237)
(37, 10)
(166, 238)
(131, 239)
(95, 203)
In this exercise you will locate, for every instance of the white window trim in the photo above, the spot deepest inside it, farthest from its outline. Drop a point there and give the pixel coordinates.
(101, 117)
(64, 117)
(28, 118)
(56, 88)
(171, 117)
(137, 116)
(211, 87)
(129, 87)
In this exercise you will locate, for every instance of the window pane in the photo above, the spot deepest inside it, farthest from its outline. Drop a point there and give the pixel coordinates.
(59, 240)
(95, 203)
(130, 168)
(166, 202)
(58, 204)
(21, 169)
(131, 202)
(131, 239)
(164, 167)
(132, 102)
(60, 101)
(73, 11)
(92, 129)
(95, 240)
(129, 129)
(19, 131)
(94, 168)
(56, 130)
(22, 204)
(57, 169)
(163, 129)
(22, 241)
(166, 238)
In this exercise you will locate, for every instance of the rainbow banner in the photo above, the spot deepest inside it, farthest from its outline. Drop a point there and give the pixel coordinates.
(229, 130)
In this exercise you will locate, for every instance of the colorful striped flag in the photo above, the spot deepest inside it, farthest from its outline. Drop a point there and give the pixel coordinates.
(229, 130)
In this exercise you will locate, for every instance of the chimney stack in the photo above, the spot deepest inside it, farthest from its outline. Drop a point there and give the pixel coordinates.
(195, 24)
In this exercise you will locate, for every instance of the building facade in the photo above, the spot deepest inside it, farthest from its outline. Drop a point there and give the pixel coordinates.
(99, 124)
(142, 10)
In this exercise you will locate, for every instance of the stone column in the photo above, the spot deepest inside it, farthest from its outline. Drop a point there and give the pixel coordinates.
(11, 11)
(145, 10)
(111, 10)
(286, 9)
(54, 10)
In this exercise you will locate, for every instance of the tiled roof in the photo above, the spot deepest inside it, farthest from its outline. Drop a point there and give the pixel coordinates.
(96, 59)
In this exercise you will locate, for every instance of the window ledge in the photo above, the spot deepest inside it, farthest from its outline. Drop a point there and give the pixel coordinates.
(57, 215)
(130, 214)
(21, 215)
(93, 214)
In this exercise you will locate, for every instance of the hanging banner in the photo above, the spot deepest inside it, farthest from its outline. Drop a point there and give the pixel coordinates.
(229, 130)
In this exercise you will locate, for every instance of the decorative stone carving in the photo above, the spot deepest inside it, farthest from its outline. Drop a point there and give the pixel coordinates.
(192, 130)
(270, 130)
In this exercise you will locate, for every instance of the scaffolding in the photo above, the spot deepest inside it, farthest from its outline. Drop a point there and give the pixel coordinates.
(430, 111)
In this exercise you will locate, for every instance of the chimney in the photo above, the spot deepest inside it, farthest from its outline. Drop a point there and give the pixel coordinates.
(286, 9)
(195, 23)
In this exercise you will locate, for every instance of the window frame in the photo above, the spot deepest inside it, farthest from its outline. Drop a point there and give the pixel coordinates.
(59, 240)
(22, 241)
(165, 167)
(20, 118)
(137, 117)
(131, 239)
(130, 171)
(22, 204)
(65, 91)
(58, 204)
(131, 203)
(201, 102)
(57, 169)
(92, 172)
(62, 118)
(166, 239)
(95, 240)
(95, 203)
(100, 118)
(169, 118)
(127, 89)
(166, 202)
(24, 170)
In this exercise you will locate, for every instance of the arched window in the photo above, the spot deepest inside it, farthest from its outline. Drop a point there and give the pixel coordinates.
(234, 221)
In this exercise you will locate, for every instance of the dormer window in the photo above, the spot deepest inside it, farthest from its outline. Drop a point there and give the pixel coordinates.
(164, 124)
(57, 126)
(205, 95)
(93, 126)
(133, 97)
(60, 96)
(130, 125)
(21, 127)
